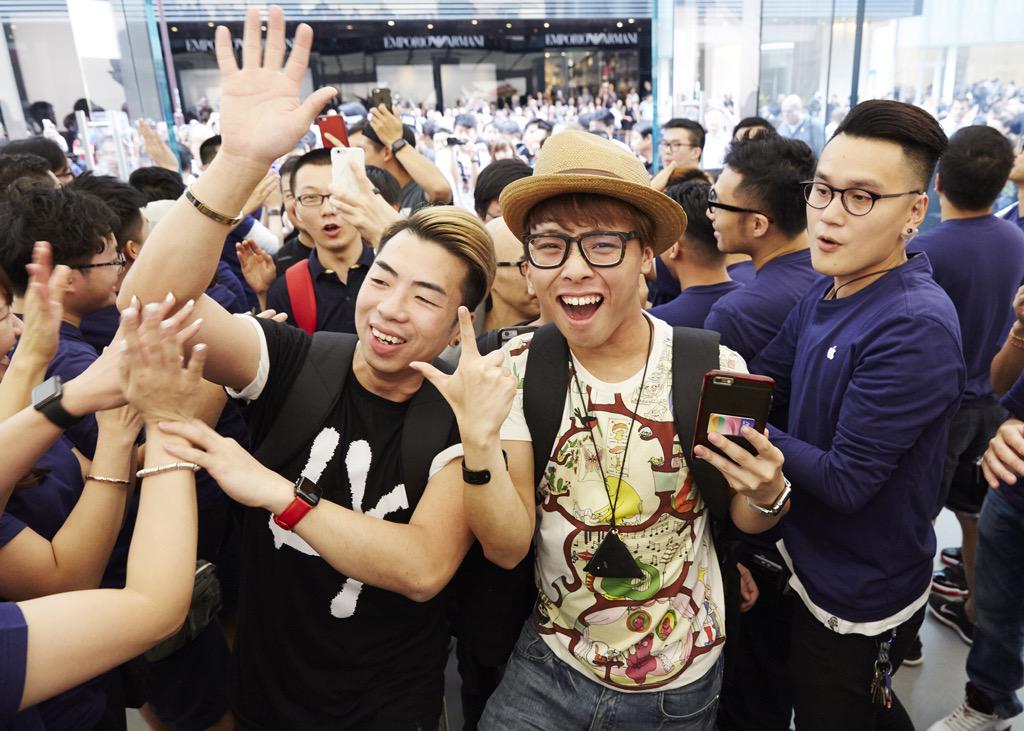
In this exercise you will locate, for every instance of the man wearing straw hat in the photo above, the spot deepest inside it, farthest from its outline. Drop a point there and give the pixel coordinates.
(629, 624)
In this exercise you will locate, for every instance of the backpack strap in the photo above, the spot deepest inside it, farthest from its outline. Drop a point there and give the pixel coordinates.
(545, 384)
(301, 294)
(428, 424)
(312, 397)
(694, 353)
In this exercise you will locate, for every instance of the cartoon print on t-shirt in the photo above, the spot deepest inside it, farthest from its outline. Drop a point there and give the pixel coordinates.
(357, 463)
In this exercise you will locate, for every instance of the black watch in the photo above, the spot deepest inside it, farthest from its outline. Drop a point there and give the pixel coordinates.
(46, 400)
(398, 145)
(308, 491)
(479, 477)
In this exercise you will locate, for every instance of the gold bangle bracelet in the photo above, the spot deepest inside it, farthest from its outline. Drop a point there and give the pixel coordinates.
(108, 480)
(1016, 341)
(209, 212)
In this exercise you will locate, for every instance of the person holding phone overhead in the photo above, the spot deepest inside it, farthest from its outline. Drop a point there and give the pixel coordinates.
(870, 367)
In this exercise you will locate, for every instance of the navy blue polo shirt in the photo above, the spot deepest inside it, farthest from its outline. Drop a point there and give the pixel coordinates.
(335, 301)
(693, 304)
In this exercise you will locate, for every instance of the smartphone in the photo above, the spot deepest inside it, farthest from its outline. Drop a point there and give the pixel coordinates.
(333, 124)
(342, 175)
(728, 402)
(380, 96)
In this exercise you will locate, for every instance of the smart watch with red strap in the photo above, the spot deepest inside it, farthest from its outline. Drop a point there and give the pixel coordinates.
(307, 495)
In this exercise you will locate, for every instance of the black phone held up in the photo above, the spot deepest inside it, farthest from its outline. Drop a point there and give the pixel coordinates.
(728, 402)
(381, 96)
(334, 125)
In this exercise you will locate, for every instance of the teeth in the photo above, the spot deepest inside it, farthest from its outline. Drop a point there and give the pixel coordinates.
(580, 301)
(385, 338)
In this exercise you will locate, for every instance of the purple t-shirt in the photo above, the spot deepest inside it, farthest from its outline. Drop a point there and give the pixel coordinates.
(44, 508)
(743, 272)
(73, 356)
(980, 264)
(693, 304)
(13, 659)
(1013, 402)
(748, 318)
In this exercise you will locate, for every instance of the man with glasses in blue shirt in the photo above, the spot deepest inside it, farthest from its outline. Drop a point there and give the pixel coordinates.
(870, 368)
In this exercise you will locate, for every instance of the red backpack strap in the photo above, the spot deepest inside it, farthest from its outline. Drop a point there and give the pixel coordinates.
(300, 292)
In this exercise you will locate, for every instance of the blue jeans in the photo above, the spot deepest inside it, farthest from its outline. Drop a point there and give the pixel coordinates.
(539, 691)
(994, 664)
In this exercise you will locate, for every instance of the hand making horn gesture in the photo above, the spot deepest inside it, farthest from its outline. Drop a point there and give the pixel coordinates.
(480, 391)
(261, 114)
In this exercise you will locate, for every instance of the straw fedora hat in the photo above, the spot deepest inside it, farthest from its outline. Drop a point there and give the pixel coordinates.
(580, 162)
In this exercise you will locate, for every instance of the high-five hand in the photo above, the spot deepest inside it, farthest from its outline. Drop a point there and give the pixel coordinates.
(261, 114)
(480, 391)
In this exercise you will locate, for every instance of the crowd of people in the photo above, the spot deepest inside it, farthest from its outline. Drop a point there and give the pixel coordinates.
(277, 441)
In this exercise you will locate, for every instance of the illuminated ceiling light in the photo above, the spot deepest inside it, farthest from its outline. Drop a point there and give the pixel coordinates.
(263, 28)
(563, 54)
(430, 26)
(174, 29)
(348, 27)
(631, 20)
(211, 23)
(547, 25)
(547, 54)
(474, 21)
(619, 24)
(391, 23)
(508, 25)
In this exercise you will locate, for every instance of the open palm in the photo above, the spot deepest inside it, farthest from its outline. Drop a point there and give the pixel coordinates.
(261, 114)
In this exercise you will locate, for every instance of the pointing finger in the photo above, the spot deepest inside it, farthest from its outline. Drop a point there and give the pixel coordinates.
(467, 334)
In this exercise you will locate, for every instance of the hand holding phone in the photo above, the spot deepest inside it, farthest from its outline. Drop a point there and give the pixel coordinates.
(343, 176)
(332, 126)
(380, 96)
(728, 402)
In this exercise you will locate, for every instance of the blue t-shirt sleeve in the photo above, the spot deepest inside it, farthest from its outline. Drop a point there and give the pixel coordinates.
(776, 360)
(13, 660)
(10, 527)
(902, 383)
(723, 320)
(69, 364)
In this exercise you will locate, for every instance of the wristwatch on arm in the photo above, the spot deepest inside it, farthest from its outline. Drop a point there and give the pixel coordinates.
(479, 477)
(46, 399)
(780, 502)
(307, 495)
(398, 145)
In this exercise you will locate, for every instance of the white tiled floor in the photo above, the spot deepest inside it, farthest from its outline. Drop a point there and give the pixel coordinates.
(929, 691)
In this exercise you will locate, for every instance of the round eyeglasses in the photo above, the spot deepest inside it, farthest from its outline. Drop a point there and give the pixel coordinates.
(856, 201)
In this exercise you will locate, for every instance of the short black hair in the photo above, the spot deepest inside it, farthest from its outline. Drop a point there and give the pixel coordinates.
(700, 234)
(772, 167)
(694, 128)
(542, 123)
(385, 183)
(124, 200)
(209, 149)
(465, 120)
(916, 131)
(157, 184)
(494, 178)
(748, 122)
(285, 171)
(319, 156)
(28, 168)
(76, 225)
(45, 148)
(975, 166)
(408, 134)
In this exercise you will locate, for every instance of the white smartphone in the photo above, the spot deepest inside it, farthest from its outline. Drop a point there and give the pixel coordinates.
(342, 175)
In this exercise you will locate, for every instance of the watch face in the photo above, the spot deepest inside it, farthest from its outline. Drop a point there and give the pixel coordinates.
(308, 490)
(47, 391)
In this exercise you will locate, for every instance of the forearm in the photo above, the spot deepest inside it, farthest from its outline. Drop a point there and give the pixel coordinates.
(497, 513)
(1008, 362)
(426, 174)
(749, 520)
(81, 548)
(34, 434)
(181, 253)
(211, 404)
(22, 376)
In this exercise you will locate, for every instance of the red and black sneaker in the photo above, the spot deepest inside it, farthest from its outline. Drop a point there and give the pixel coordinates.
(952, 556)
(950, 582)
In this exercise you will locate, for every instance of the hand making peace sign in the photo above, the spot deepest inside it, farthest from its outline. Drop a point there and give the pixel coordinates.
(480, 391)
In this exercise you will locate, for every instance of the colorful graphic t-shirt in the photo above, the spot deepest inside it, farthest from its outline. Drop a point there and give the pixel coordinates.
(659, 632)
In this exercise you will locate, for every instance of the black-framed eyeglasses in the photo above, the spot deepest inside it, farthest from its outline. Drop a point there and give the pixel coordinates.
(312, 200)
(118, 262)
(599, 248)
(520, 264)
(674, 146)
(714, 203)
(856, 201)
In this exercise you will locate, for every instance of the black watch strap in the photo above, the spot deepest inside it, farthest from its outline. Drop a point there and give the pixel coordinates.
(398, 145)
(479, 477)
(46, 399)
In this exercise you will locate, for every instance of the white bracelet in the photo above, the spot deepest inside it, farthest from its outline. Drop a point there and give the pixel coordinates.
(150, 471)
(108, 480)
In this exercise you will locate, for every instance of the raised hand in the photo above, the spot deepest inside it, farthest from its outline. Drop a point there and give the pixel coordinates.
(261, 114)
(386, 124)
(367, 211)
(258, 266)
(1004, 458)
(154, 378)
(259, 196)
(156, 148)
(480, 391)
(124, 423)
(758, 477)
(44, 306)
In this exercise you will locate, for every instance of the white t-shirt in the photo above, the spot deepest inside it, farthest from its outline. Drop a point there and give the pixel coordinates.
(666, 630)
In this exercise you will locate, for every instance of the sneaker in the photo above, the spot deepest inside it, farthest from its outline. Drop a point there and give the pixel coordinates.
(914, 656)
(952, 614)
(952, 556)
(950, 582)
(968, 717)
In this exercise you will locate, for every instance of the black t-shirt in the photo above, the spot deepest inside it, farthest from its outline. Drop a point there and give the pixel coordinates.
(316, 650)
(291, 252)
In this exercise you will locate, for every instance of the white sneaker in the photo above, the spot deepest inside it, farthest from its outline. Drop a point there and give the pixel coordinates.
(966, 718)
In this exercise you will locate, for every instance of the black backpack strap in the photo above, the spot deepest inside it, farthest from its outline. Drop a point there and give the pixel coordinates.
(694, 353)
(544, 386)
(312, 397)
(426, 432)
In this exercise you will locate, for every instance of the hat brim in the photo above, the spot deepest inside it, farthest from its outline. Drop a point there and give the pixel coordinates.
(520, 197)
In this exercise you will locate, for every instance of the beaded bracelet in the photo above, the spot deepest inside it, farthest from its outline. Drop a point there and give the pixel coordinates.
(209, 212)
(150, 471)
